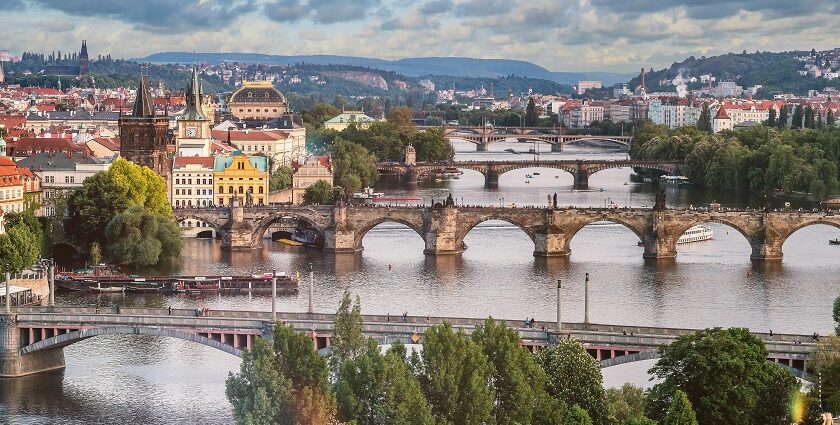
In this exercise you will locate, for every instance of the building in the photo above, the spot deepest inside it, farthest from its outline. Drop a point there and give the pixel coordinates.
(62, 172)
(257, 100)
(728, 89)
(240, 177)
(192, 181)
(103, 147)
(193, 131)
(143, 138)
(583, 86)
(278, 145)
(345, 119)
(585, 114)
(80, 69)
(721, 121)
(311, 171)
(621, 111)
(11, 188)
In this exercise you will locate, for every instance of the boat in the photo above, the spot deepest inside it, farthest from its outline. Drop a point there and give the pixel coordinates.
(625, 183)
(305, 236)
(527, 181)
(289, 242)
(697, 233)
(528, 176)
(20, 296)
(536, 173)
(108, 289)
(366, 196)
(714, 205)
(835, 241)
(673, 180)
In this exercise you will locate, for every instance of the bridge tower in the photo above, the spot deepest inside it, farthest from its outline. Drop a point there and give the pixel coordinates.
(12, 364)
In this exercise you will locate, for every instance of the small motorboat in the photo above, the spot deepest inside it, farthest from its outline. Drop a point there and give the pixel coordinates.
(625, 183)
(528, 176)
(108, 289)
(835, 241)
(536, 173)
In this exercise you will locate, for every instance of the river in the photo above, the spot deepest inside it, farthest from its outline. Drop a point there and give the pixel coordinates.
(150, 380)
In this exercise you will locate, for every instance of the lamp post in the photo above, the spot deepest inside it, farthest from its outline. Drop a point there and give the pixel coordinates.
(8, 295)
(311, 290)
(559, 317)
(586, 300)
(274, 296)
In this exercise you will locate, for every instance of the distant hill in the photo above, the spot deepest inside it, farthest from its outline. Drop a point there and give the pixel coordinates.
(412, 67)
(776, 72)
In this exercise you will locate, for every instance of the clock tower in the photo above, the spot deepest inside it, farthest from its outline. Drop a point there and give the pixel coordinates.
(193, 138)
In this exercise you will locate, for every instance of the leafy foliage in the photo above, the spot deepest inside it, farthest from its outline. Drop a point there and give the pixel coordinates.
(625, 403)
(142, 238)
(724, 373)
(281, 179)
(19, 248)
(577, 416)
(320, 193)
(574, 378)
(353, 166)
(680, 412)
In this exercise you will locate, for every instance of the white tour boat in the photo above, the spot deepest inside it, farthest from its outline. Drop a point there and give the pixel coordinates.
(696, 234)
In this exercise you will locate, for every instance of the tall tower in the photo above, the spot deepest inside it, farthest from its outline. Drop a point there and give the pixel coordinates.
(143, 138)
(2, 74)
(193, 138)
(83, 59)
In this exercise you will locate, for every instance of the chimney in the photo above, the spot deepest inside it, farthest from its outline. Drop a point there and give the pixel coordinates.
(643, 77)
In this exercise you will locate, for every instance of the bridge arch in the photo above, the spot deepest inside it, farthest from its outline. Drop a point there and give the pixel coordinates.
(465, 228)
(181, 218)
(654, 354)
(568, 140)
(367, 227)
(573, 230)
(262, 226)
(835, 222)
(73, 337)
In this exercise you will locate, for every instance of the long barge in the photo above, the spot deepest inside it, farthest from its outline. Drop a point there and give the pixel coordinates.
(176, 284)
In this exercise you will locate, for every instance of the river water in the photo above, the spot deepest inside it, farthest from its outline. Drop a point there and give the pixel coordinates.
(149, 380)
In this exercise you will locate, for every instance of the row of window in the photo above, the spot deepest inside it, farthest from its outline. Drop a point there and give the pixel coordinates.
(190, 181)
(241, 189)
(11, 194)
(67, 179)
(256, 110)
(18, 207)
(197, 192)
(221, 179)
(230, 201)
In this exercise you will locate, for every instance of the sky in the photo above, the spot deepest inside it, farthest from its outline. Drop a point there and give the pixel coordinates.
(560, 35)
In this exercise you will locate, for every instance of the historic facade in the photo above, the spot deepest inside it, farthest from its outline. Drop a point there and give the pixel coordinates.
(192, 181)
(257, 100)
(311, 171)
(143, 138)
(193, 134)
(241, 178)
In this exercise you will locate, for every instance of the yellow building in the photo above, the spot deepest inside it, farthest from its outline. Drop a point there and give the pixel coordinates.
(257, 100)
(240, 177)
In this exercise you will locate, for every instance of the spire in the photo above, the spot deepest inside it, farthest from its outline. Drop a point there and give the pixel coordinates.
(143, 107)
(193, 111)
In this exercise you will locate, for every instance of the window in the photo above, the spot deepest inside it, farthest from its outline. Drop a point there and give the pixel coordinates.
(177, 192)
(221, 201)
(241, 189)
(230, 189)
(221, 189)
(261, 190)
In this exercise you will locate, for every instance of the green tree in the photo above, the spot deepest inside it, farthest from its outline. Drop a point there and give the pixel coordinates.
(348, 341)
(639, 421)
(771, 117)
(625, 403)
(783, 117)
(281, 179)
(456, 377)
(95, 253)
(574, 377)
(835, 314)
(829, 118)
(380, 389)
(432, 146)
(725, 374)
(353, 166)
(19, 248)
(798, 118)
(402, 119)
(320, 193)
(518, 380)
(138, 237)
(140, 186)
(810, 118)
(320, 113)
(680, 412)
(705, 121)
(531, 115)
(577, 416)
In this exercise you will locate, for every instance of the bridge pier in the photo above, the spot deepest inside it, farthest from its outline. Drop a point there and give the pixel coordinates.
(12, 363)
(481, 146)
(442, 236)
(491, 178)
(581, 178)
(551, 244)
(766, 249)
(237, 234)
(557, 147)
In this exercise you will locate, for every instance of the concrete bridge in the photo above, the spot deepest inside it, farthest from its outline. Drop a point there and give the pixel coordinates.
(32, 339)
(443, 229)
(579, 169)
(482, 136)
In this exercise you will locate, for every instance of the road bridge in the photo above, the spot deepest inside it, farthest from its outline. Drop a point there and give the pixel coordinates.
(579, 169)
(443, 228)
(482, 136)
(32, 339)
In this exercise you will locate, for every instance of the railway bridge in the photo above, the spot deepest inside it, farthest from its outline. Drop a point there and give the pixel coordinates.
(581, 170)
(32, 339)
(444, 227)
(482, 136)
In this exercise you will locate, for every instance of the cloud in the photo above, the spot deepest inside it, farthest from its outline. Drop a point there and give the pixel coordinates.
(319, 11)
(435, 7)
(484, 7)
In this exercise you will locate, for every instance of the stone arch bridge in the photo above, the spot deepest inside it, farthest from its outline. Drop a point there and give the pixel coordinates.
(32, 339)
(482, 136)
(581, 170)
(443, 229)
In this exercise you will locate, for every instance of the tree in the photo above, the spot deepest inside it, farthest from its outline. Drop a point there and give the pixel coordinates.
(281, 179)
(836, 315)
(353, 166)
(319, 113)
(348, 341)
(320, 193)
(19, 248)
(531, 115)
(140, 186)
(574, 377)
(783, 117)
(456, 377)
(725, 374)
(625, 403)
(705, 121)
(281, 384)
(95, 253)
(402, 119)
(797, 120)
(138, 237)
(680, 412)
(577, 416)
(639, 421)
(380, 389)
(518, 380)
(829, 118)
(432, 146)
(771, 117)
(810, 119)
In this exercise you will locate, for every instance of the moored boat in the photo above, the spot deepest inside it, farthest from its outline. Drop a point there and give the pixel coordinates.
(20, 296)
(835, 241)
(697, 233)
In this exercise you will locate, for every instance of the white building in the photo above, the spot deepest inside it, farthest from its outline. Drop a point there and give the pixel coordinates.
(583, 86)
(281, 146)
(583, 115)
(192, 181)
(62, 172)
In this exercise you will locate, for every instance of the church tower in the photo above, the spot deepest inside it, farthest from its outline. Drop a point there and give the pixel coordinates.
(143, 139)
(193, 137)
(83, 59)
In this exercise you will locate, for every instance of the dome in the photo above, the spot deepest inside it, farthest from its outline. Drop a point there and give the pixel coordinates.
(257, 92)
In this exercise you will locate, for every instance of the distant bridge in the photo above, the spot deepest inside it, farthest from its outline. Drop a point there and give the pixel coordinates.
(32, 339)
(482, 136)
(443, 228)
(579, 169)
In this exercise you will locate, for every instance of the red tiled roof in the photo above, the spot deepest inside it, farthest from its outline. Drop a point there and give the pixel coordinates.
(110, 144)
(30, 145)
(13, 121)
(250, 135)
(5, 161)
(721, 114)
(204, 161)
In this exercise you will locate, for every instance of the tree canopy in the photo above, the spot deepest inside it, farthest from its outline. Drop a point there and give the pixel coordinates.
(320, 193)
(20, 246)
(280, 179)
(140, 237)
(353, 166)
(574, 377)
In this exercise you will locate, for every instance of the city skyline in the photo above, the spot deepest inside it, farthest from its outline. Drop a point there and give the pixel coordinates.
(588, 35)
